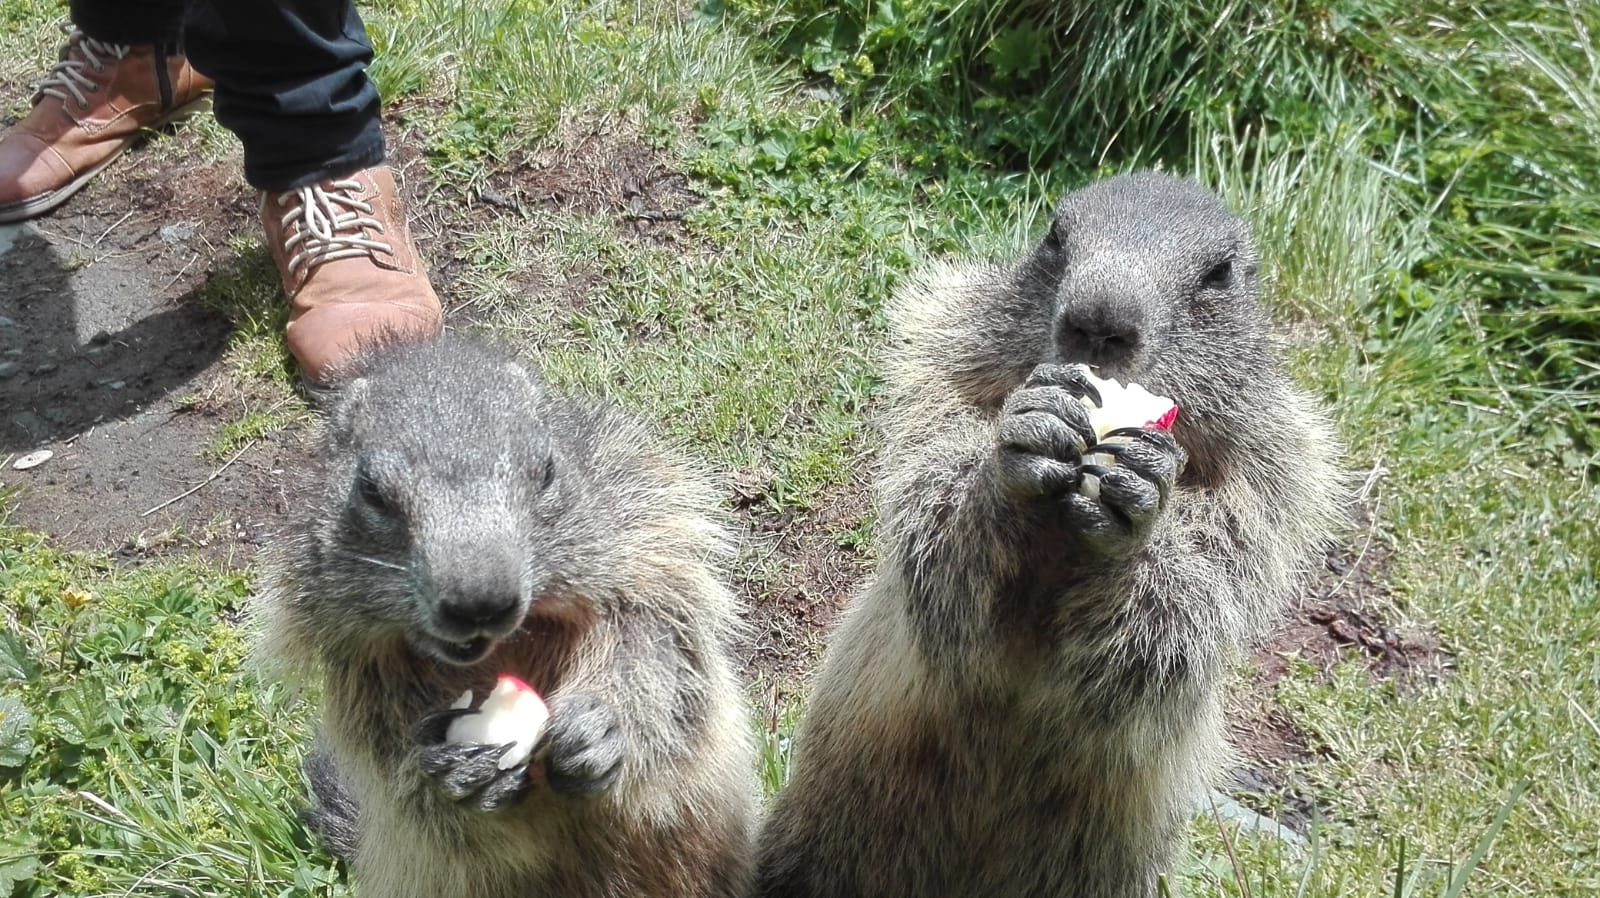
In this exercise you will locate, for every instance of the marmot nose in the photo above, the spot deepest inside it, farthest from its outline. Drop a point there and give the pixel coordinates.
(491, 611)
(1098, 333)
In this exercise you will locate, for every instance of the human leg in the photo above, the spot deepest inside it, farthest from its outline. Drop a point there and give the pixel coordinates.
(135, 22)
(291, 83)
(119, 74)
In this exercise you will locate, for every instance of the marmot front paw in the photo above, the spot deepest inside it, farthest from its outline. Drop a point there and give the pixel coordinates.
(1044, 431)
(580, 751)
(1125, 483)
(468, 771)
(583, 747)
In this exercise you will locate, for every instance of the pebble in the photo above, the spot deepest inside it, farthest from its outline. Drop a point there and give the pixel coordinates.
(32, 460)
(1228, 809)
(6, 322)
(7, 369)
(177, 232)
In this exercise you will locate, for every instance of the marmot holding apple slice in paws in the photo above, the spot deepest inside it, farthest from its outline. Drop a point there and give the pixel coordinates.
(1024, 703)
(478, 554)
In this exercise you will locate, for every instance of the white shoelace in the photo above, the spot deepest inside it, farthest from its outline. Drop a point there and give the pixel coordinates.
(68, 76)
(325, 225)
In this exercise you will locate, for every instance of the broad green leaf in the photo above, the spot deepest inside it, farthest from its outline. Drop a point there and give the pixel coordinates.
(15, 742)
(85, 719)
(14, 661)
(18, 864)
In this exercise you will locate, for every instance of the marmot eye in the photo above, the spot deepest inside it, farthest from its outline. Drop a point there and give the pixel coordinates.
(549, 473)
(1052, 237)
(1220, 276)
(371, 495)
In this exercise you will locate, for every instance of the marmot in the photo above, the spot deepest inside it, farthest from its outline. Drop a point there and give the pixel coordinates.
(465, 521)
(1025, 699)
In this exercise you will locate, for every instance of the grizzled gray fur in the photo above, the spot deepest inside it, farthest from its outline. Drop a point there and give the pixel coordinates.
(466, 521)
(1025, 701)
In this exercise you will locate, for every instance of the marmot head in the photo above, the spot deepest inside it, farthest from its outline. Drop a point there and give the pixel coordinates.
(1149, 278)
(443, 497)
(1135, 267)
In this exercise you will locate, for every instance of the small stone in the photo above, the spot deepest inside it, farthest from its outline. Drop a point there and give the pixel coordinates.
(1231, 810)
(6, 322)
(32, 460)
(177, 232)
(7, 369)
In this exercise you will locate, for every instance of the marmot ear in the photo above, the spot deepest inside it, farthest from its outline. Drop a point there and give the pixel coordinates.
(523, 377)
(352, 396)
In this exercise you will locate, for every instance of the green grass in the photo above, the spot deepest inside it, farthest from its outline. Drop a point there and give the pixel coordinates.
(751, 348)
(146, 756)
(512, 74)
(1493, 548)
(1425, 181)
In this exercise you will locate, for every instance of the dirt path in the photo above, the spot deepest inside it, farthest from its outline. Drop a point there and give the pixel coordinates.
(111, 361)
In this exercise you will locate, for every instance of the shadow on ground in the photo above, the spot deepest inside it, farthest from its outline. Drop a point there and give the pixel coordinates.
(72, 363)
(111, 362)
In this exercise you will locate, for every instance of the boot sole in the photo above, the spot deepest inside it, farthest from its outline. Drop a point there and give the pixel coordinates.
(45, 202)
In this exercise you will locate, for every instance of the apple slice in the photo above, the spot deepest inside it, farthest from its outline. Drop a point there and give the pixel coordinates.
(513, 713)
(1126, 406)
(1121, 406)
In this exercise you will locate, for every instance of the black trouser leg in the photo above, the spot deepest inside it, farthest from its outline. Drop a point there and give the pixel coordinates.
(157, 22)
(291, 82)
(129, 21)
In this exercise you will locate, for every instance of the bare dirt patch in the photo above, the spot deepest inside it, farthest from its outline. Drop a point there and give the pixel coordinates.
(799, 569)
(590, 169)
(1345, 616)
(597, 172)
(1342, 616)
(105, 346)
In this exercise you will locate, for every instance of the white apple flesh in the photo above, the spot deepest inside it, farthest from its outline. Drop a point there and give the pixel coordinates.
(1120, 406)
(512, 714)
(1126, 406)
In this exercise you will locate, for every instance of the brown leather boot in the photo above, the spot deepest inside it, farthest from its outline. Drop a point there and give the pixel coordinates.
(348, 265)
(91, 107)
